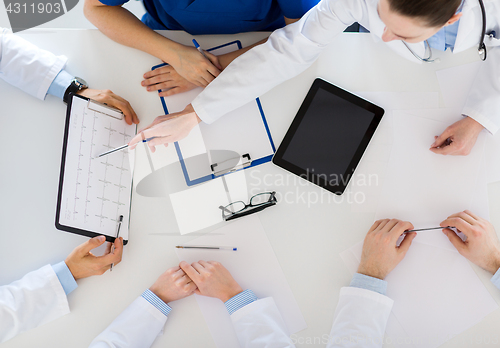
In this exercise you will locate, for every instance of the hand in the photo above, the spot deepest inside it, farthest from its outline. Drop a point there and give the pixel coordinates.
(167, 129)
(212, 279)
(82, 263)
(109, 98)
(481, 247)
(173, 285)
(195, 68)
(168, 80)
(380, 254)
(457, 139)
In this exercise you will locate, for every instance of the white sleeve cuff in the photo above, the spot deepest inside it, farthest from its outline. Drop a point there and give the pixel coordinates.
(480, 118)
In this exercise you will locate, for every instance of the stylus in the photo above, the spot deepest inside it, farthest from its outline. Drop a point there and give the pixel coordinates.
(206, 247)
(428, 229)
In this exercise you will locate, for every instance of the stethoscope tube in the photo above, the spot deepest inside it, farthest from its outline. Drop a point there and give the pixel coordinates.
(481, 48)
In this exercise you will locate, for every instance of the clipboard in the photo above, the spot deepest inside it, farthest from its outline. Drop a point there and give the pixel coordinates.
(93, 192)
(203, 155)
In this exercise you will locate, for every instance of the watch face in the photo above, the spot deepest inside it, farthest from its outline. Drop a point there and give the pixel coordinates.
(81, 83)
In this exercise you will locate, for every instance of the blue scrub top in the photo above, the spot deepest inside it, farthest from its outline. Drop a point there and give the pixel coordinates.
(199, 17)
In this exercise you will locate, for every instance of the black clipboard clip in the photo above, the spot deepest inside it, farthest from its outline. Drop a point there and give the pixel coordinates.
(227, 166)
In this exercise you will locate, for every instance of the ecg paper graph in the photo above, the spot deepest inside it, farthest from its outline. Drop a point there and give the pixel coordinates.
(96, 191)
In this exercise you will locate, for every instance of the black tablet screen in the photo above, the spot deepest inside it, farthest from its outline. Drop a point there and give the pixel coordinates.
(328, 136)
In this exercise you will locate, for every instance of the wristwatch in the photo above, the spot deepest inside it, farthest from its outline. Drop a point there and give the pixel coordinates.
(77, 84)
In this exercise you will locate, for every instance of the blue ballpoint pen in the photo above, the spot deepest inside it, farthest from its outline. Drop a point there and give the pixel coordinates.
(121, 148)
(199, 48)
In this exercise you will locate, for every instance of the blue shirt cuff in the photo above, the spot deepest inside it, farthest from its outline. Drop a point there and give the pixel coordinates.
(369, 283)
(60, 84)
(496, 279)
(239, 301)
(65, 277)
(149, 296)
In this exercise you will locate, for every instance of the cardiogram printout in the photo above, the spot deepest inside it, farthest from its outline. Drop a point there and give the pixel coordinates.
(94, 192)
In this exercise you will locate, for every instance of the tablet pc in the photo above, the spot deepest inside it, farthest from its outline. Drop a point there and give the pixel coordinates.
(328, 136)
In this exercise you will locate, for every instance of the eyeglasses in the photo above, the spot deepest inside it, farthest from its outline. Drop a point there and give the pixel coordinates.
(257, 203)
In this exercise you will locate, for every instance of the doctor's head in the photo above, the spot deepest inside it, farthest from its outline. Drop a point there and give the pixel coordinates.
(416, 20)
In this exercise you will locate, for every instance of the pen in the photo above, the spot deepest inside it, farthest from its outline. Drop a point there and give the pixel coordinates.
(117, 235)
(206, 247)
(428, 229)
(197, 45)
(121, 148)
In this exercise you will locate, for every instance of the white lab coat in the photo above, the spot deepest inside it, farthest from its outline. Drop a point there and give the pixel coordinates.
(258, 324)
(292, 49)
(26, 66)
(360, 319)
(36, 299)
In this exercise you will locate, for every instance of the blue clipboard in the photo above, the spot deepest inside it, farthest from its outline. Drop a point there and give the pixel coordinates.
(255, 162)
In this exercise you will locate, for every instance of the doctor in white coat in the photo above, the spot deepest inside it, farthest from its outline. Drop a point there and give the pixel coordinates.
(41, 296)
(363, 309)
(257, 322)
(39, 72)
(402, 25)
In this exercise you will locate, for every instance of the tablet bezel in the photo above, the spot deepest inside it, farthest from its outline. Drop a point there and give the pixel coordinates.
(316, 179)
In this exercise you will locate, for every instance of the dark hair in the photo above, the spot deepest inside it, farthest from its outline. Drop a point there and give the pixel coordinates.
(435, 13)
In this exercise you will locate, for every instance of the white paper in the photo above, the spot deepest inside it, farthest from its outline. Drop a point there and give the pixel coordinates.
(198, 207)
(402, 100)
(254, 266)
(492, 155)
(455, 83)
(436, 293)
(203, 201)
(370, 174)
(480, 201)
(420, 186)
(96, 191)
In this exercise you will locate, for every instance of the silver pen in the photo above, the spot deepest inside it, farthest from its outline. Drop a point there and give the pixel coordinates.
(121, 148)
(117, 235)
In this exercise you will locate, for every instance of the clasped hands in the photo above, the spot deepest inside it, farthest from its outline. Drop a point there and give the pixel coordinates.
(190, 69)
(207, 278)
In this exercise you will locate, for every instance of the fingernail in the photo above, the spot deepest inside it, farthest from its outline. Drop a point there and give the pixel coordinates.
(101, 238)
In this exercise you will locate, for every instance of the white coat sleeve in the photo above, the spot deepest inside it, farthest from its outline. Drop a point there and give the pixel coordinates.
(26, 66)
(360, 319)
(483, 101)
(287, 53)
(136, 327)
(36, 299)
(259, 324)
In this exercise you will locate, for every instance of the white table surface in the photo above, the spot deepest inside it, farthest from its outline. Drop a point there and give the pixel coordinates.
(307, 237)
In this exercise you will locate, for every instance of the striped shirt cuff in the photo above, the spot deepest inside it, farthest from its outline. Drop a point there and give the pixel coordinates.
(149, 296)
(239, 301)
(369, 283)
